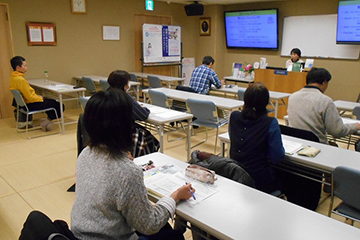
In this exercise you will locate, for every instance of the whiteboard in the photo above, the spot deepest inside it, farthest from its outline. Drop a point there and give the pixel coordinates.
(316, 38)
(161, 43)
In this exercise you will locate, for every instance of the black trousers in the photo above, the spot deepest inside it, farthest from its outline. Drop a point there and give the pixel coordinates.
(47, 103)
(165, 233)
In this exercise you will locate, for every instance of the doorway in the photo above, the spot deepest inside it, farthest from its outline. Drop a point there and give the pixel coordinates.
(7, 51)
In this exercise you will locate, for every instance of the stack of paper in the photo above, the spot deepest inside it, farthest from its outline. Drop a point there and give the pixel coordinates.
(291, 147)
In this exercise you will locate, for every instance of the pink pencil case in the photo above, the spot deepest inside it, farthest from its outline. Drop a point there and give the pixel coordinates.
(201, 174)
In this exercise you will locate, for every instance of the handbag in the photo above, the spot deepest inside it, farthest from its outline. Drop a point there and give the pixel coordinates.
(200, 173)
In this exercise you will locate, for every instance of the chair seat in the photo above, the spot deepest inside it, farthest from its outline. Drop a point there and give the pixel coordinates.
(348, 211)
(210, 123)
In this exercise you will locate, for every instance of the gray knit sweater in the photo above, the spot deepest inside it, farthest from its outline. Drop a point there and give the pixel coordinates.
(311, 110)
(111, 199)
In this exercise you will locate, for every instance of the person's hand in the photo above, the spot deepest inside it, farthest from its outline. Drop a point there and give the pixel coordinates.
(183, 193)
(357, 125)
(222, 82)
(41, 97)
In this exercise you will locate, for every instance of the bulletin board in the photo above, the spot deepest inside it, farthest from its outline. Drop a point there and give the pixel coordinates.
(41, 34)
(315, 36)
(161, 43)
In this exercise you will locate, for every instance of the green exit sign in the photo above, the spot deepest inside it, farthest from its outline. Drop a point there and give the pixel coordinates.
(149, 5)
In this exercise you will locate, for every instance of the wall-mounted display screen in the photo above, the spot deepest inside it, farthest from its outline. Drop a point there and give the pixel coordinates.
(348, 22)
(252, 29)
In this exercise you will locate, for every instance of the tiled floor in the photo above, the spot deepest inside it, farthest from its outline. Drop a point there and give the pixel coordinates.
(35, 174)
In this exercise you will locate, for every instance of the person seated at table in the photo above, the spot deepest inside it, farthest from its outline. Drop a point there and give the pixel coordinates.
(256, 139)
(203, 76)
(295, 58)
(310, 109)
(32, 100)
(144, 141)
(111, 198)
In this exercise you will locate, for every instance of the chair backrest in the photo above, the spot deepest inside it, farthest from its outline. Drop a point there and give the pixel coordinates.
(346, 185)
(185, 88)
(83, 101)
(133, 77)
(154, 81)
(299, 133)
(104, 84)
(202, 109)
(158, 98)
(18, 98)
(356, 112)
(89, 84)
(241, 93)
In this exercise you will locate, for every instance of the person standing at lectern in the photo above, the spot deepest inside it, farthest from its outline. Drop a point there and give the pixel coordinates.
(295, 58)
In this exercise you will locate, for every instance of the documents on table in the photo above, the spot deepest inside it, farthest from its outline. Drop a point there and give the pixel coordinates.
(291, 147)
(164, 180)
(163, 112)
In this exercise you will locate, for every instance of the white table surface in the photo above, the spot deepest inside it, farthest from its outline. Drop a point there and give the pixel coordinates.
(327, 160)
(59, 89)
(97, 79)
(240, 212)
(162, 77)
(345, 105)
(236, 79)
(220, 102)
(158, 118)
(234, 89)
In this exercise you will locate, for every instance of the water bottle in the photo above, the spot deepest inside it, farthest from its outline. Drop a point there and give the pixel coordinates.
(46, 76)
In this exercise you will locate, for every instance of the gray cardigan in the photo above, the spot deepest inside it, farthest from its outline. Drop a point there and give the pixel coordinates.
(111, 199)
(311, 110)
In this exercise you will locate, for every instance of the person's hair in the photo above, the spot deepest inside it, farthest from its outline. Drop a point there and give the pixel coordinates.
(16, 61)
(118, 79)
(108, 121)
(296, 51)
(207, 60)
(256, 99)
(318, 75)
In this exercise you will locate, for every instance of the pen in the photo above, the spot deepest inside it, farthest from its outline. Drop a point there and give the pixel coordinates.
(192, 193)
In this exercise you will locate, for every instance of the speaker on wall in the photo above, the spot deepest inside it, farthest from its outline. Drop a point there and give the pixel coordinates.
(194, 9)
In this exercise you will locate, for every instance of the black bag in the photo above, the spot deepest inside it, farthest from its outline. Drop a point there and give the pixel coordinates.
(38, 226)
(357, 146)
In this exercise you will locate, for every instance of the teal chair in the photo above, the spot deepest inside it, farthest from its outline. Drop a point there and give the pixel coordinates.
(154, 81)
(346, 185)
(89, 85)
(104, 84)
(83, 101)
(22, 107)
(206, 116)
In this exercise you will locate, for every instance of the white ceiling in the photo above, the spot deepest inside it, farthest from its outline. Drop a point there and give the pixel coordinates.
(221, 2)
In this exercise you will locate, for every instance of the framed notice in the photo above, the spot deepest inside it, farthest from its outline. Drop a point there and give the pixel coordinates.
(111, 33)
(41, 34)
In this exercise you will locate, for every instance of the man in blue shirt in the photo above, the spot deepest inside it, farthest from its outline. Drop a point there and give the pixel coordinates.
(203, 76)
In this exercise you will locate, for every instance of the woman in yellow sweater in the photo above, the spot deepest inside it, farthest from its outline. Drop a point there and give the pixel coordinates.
(33, 101)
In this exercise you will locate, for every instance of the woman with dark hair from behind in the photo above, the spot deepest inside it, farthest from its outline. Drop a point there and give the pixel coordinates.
(144, 141)
(111, 198)
(256, 138)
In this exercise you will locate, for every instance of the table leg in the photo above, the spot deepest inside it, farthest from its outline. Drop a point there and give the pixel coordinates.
(161, 134)
(62, 114)
(276, 107)
(137, 92)
(189, 139)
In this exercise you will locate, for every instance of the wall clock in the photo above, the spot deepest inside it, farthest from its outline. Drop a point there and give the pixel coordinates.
(78, 6)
